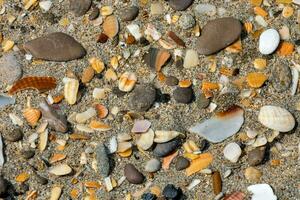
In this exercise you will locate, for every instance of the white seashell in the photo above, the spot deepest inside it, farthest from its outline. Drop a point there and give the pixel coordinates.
(273, 136)
(55, 193)
(108, 184)
(1, 152)
(193, 184)
(43, 140)
(276, 118)
(140, 126)
(6, 100)
(127, 81)
(152, 31)
(71, 90)
(206, 171)
(153, 165)
(15, 119)
(145, 140)
(113, 144)
(221, 126)
(134, 30)
(121, 180)
(232, 152)
(32, 139)
(124, 137)
(260, 141)
(123, 146)
(86, 115)
(261, 192)
(60, 170)
(165, 136)
(84, 128)
(261, 21)
(295, 80)
(99, 93)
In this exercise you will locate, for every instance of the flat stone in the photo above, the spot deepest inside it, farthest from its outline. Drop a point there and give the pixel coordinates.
(142, 97)
(205, 9)
(202, 101)
(80, 7)
(171, 81)
(153, 165)
(27, 154)
(281, 77)
(55, 47)
(256, 156)
(183, 95)
(102, 158)
(180, 4)
(164, 149)
(129, 14)
(218, 34)
(10, 68)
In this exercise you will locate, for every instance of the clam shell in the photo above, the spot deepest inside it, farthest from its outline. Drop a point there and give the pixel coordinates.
(71, 90)
(86, 115)
(221, 126)
(276, 118)
(123, 146)
(97, 64)
(127, 81)
(60, 170)
(261, 192)
(145, 140)
(165, 136)
(32, 116)
(232, 152)
(111, 26)
(99, 126)
(102, 111)
(141, 126)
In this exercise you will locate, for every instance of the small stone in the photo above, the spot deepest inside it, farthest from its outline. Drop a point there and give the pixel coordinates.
(164, 149)
(183, 95)
(284, 33)
(80, 7)
(256, 156)
(171, 81)
(170, 191)
(10, 68)
(179, 4)
(255, 79)
(269, 41)
(153, 165)
(60, 170)
(142, 97)
(205, 9)
(94, 14)
(191, 59)
(232, 152)
(3, 186)
(14, 135)
(202, 101)
(260, 63)
(40, 179)
(281, 77)
(103, 162)
(156, 9)
(261, 192)
(149, 196)
(129, 14)
(133, 175)
(253, 174)
(45, 5)
(181, 163)
(186, 21)
(27, 154)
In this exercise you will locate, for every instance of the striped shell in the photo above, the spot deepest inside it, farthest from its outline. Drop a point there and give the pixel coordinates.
(71, 90)
(32, 116)
(276, 118)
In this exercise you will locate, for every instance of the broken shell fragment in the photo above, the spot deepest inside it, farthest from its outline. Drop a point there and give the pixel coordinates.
(86, 115)
(145, 140)
(256, 80)
(99, 126)
(261, 191)
(141, 126)
(127, 81)
(97, 65)
(221, 126)
(156, 58)
(60, 170)
(165, 136)
(102, 111)
(32, 116)
(123, 146)
(232, 152)
(276, 118)
(71, 90)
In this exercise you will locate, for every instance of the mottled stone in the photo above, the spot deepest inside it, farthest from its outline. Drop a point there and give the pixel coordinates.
(10, 68)
(80, 7)
(181, 163)
(14, 135)
(180, 4)
(186, 21)
(102, 158)
(129, 14)
(183, 95)
(256, 156)
(142, 97)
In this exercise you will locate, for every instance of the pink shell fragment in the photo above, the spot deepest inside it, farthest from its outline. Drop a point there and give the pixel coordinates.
(141, 126)
(235, 196)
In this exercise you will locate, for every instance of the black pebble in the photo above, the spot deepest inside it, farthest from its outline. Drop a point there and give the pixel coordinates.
(149, 196)
(183, 95)
(170, 191)
(181, 163)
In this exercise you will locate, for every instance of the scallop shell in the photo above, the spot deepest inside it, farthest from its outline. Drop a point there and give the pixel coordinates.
(102, 111)
(276, 118)
(32, 116)
(111, 26)
(71, 90)
(165, 136)
(127, 81)
(145, 140)
(60, 170)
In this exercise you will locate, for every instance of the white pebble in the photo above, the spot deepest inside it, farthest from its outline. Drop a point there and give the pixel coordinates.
(45, 5)
(269, 41)
(191, 59)
(232, 152)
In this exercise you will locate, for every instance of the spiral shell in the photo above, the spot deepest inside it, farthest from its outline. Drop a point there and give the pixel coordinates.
(32, 116)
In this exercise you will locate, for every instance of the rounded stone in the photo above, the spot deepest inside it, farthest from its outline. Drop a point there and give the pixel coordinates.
(232, 152)
(80, 7)
(183, 95)
(153, 165)
(142, 97)
(164, 149)
(202, 101)
(171, 81)
(27, 154)
(133, 175)
(256, 156)
(129, 14)
(10, 68)
(181, 163)
(149, 196)
(103, 162)
(186, 21)
(3, 186)
(14, 135)
(281, 77)
(170, 191)
(268, 41)
(180, 4)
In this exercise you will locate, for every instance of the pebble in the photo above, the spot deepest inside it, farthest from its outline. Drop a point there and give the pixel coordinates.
(3, 186)
(202, 101)
(180, 5)
(170, 191)
(186, 21)
(261, 192)
(60, 170)
(252, 174)
(181, 163)
(171, 81)
(142, 97)
(10, 68)
(268, 41)
(102, 159)
(14, 135)
(149, 196)
(133, 175)
(153, 165)
(256, 156)
(191, 59)
(156, 9)
(27, 154)
(45, 5)
(183, 95)
(218, 34)
(129, 14)
(164, 149)
(232, 152)
(94, 14)
(80, 7)
(40, 179)
(56, 46)
(217, 182)
(205, 9)
(281, 77)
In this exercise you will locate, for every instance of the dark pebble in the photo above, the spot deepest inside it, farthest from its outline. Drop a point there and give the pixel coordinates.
(14, 135)
(179, 63)
(133, 175)
(281, 77)
(80, 7)
(41, 180)
(256, 156)
(162, 98)
(170, 191)
(94, 14)
(171, 81)
(103, 161)
(149, 196)
(27, 154)
(144, 42)
(202, 101)
(204, 144)
(164, 149)
(3, 186)
(129, 14)
(181, 163)
(142, 97)
(183, 95)
(180, 4)
(102, 38)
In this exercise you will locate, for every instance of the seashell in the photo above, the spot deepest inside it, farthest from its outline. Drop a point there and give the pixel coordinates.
(168, 159)
(84, 128)
(156, 58)
(43, 140)
(77, 136)
(123, 146)
(15, 119)
(276, 118)
(110, 75)
(124, 137)
(126, 153)
(175, 38)
(71, 90)
(33, 82)
(32, 116)
(106, 10)
(285, 49)
(166, 44)
(191, 59)
(260, 141)
(235, 196)
(100, 93)
(145, 140)
(87, 75)
(221, 126)
(97, 65)
(1, 152)
(111, 26)
(86, 115)
(295, 80)
(184, 83)
(114, 61)
(217, 182)
(193, 184)
(102, 111)
(260, 63)
(55, 193)
(60, 170)
(21, 178)
(152, 31)
(113, 145)
(153, 165)
(127, 81)
(57, 157)
(6, 100)
(200, 163)
(256, 80)
(134, 30)
(99, 126)
(260, 11)
(236, 47)
(165, 136)
(141, 126)
(248, 26)
(232, 152)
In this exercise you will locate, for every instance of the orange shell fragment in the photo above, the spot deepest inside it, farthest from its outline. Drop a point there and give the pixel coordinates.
(200, 163)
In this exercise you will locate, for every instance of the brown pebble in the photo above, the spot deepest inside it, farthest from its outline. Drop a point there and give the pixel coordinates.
(256, 156)
(171, 81)
(14, 135)
(87, 75)
(181, 163)
(133, 175)
(102, 38)
(217, 182)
